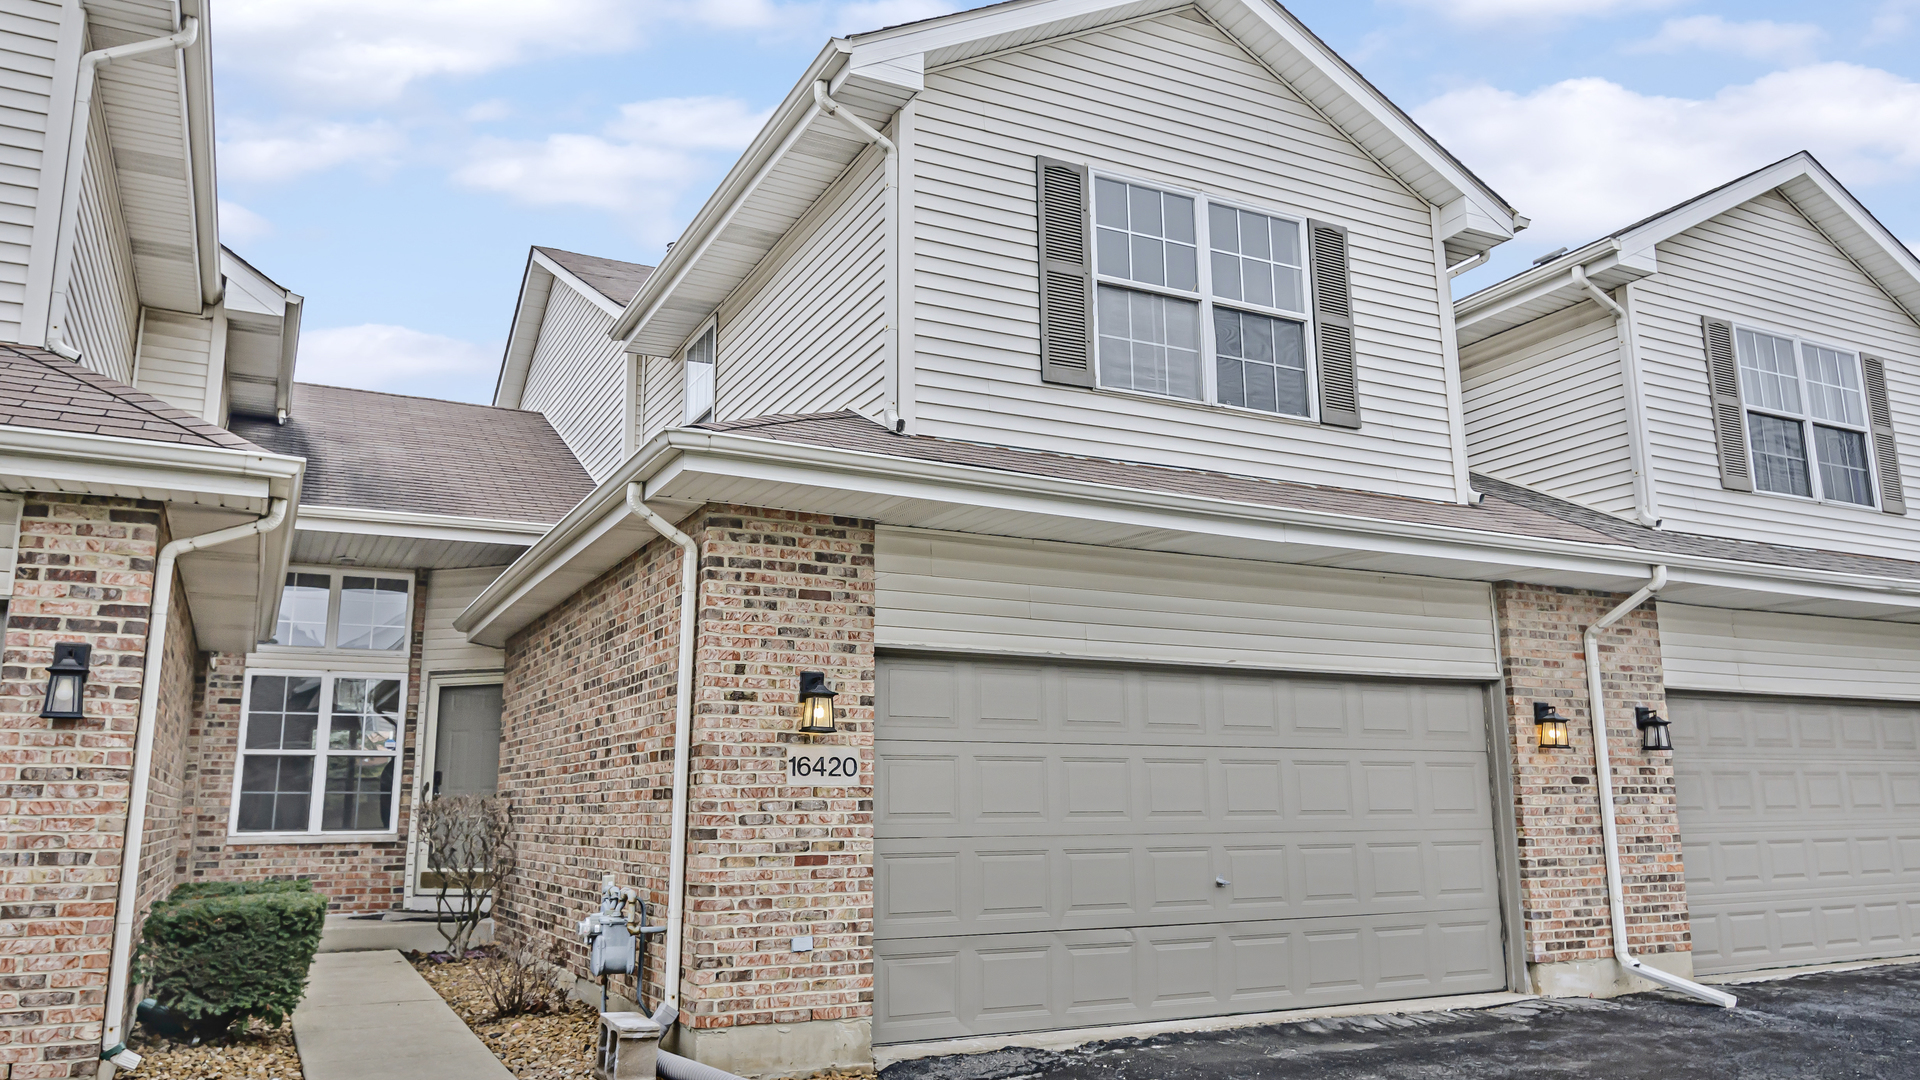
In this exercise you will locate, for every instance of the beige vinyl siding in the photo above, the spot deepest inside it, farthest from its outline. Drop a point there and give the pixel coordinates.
(808, 335)
(1764, 264)
(443, 648)
(992, 595)
(175, 353)
(29, 33)
(1546, 406)
(662, 392)
(1766, 652)
(575, 379)
(103, 307)
(1168, 100)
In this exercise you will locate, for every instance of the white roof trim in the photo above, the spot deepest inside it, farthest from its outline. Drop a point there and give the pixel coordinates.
(530, 315)
(1801, 179)
(874, 74)
(680, 466)
(449, 527)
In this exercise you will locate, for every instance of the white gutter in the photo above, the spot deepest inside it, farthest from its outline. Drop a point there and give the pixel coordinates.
(1645, 509)
(1603, 779)
(1465, 265)
(188, 33)
(197, 78)
(113, 1039)
(682, 735)
(832, 108)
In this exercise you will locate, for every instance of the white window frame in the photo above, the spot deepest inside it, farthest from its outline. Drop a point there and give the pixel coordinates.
(1806, 420)
(1203, 246)
(316, 807)
(330, 648)
(711, 326)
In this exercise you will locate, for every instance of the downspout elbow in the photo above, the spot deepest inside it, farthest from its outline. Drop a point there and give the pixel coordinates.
(1595, 291)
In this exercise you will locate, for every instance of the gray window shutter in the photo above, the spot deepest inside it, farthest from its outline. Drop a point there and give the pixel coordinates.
(1729, 418)
(1066, 272)
(1333, 324)
(1886, 455)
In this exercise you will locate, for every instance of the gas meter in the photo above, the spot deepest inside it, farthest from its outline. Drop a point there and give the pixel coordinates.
(612, 932)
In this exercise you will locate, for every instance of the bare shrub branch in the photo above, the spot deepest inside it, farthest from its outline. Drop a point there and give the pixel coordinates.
(466, 842)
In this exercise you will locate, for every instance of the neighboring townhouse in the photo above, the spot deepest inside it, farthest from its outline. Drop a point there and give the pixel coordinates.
(1746, 366)
(1085, 413)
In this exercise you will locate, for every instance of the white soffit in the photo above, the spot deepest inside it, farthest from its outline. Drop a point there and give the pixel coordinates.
(800, 152)
(1630, 253)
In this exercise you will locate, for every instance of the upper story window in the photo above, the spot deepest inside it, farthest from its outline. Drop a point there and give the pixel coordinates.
(363, 610)
(699, 379)
(1806, 418)
(1227, 329)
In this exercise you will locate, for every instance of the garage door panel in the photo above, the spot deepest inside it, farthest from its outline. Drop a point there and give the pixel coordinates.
(944, 988)
(980, 885)
(1799, 830)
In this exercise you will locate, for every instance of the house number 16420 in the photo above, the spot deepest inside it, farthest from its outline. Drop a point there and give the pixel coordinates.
(811, 767)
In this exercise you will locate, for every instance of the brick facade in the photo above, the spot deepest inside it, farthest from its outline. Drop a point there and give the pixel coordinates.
(355, 877)
(587, 747)
(85, 574)
(1562, 864)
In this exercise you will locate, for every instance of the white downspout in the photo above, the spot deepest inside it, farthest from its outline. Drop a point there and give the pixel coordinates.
(1603, 778)
(895, 255)
(113, 1038)
(682, 735)
(1644, 510)
(188, 33)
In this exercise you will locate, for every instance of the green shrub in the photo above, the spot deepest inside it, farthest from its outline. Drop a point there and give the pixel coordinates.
(216, 953)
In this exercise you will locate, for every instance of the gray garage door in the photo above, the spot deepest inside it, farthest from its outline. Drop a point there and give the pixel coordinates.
(1800, 823)
(1065, 845)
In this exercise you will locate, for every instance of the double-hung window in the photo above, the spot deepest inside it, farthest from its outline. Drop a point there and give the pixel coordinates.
(319, 753)
(1806, 418)
(1200, 299)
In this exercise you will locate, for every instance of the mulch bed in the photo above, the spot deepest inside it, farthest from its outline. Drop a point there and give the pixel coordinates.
(555, 1045)
(260, 1053)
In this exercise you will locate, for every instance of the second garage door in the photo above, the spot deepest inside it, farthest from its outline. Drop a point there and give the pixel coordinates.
(1800, 824)
(1065, 845)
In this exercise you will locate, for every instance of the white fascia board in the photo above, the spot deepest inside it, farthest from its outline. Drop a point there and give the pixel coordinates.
(198, 475)
(592, 295)
(523, 332)
(363, 522)
(789, 117)
(672, 466)
(1608, 263)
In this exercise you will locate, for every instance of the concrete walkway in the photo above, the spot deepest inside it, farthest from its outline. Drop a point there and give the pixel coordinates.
(370, 1016)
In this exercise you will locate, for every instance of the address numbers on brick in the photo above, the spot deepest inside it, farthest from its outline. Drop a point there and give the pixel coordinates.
(813, 766)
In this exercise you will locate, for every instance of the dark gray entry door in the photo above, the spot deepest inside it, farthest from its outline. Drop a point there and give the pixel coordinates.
(1064, 845)
(466, 740)
(1800, 826)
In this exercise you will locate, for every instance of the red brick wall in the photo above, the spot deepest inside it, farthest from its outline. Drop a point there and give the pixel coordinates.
(586, 757)
(356, 876)
(85, 574)
(1562, 865)
(167, 821)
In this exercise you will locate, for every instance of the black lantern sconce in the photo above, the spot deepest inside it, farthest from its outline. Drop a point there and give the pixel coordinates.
(1653, 729)
(1550, 726)
(66, 680)
(816, 704)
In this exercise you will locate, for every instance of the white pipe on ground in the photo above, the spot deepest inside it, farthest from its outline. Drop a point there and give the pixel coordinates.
(682, 736)
(1603, 777)
(114, 1036)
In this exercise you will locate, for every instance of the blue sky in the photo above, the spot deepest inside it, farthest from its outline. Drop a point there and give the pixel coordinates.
(393, 161)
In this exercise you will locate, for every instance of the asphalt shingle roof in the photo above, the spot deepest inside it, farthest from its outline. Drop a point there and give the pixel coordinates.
(617, 281)
(376, 451)
(39, 389)
(1506, 508)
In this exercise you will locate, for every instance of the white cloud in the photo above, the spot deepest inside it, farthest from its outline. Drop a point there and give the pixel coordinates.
(1761, 39)
(240, 226)
(638, 166)
(282, 151)
(1490, 11)
(1586, 156)
(1892, 21)
(377, 356)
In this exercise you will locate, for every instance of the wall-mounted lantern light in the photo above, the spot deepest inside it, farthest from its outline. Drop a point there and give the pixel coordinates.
(66, 680)
(1653, 729)
(1550, 726)
(816, 704)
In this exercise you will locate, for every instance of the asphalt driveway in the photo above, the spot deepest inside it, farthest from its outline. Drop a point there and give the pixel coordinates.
(1862, 1023)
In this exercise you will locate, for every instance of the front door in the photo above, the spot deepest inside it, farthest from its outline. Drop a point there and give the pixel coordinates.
(465, 735)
